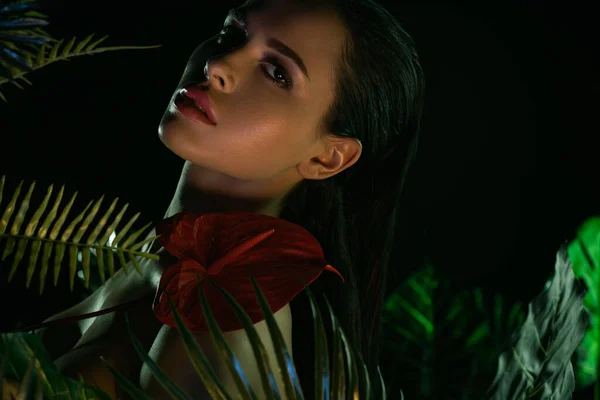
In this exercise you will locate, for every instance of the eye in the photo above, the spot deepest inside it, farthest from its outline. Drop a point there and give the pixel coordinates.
(234, 33)
(274, 72)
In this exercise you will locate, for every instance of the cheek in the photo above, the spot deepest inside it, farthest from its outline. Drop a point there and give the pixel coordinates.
(290, 133)
(262, 148)
(266, 123)
(272, 141)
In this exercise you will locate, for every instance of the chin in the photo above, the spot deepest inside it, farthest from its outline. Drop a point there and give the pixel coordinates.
(166, 126)
(177, 132)
(176, 136)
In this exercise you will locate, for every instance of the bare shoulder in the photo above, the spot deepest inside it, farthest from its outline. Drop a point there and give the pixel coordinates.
(107, 336)
(169, 352)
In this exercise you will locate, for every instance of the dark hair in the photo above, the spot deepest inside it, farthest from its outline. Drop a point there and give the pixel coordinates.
(378, 100)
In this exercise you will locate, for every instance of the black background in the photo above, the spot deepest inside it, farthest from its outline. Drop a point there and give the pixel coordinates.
(506, 169)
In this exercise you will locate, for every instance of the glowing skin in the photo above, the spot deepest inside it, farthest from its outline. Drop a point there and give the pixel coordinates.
(266, 139)
(265, 142)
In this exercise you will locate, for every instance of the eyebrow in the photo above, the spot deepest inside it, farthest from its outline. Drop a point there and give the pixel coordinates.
(241, 15)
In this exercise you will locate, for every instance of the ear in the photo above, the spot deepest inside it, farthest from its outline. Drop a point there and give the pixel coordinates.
(340, 153)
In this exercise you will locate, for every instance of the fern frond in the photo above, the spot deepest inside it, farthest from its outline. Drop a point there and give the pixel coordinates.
(20, 232)
(21, 34)
(25, 362)
(344, 386)
(60, 50)
(443, 338)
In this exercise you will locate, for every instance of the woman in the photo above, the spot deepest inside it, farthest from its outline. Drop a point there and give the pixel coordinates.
(307, 111)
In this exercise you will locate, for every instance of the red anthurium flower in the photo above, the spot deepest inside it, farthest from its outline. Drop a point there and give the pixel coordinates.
(228, 247)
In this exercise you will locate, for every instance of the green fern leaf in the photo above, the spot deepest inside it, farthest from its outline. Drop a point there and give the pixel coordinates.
(445, 340)
(322, 373)
(28, 59)
(82, 44)
(65, 51)
(285, 363)
(538, 365)
(35, 14)
(100, 252)
(77, 239)
(130, 241)
(170, 386)
(93, 45)
(24, 79)
(61, 247)
(120, 236)
(54, 51)
(29, 230)
(20, 32)
(227, 356)
(24, 359)
(16, 225)
(290, 379)
(134, 392)
(584, 253)
(53, 235)
(25, 388)
(41, 55)
(18, 85)
(12, 56)
(69, 50)
(267, 379)
(338, 383)
(201, 364)
(60, 239)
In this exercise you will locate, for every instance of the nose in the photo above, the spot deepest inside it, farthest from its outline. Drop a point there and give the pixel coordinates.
(219, 75)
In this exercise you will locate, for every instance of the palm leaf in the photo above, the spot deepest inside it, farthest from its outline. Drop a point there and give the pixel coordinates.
(443, 339)
(19, 61)
(21, 35)
(538, 365)
(17, 7)
(51, 233)
(584, 253)
(342, 354)
(24, 359)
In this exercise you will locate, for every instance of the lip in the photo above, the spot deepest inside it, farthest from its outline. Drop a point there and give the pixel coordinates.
(201, 99)
(189, 109)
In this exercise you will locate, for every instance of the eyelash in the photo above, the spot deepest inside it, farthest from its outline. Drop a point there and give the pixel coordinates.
(288, 82)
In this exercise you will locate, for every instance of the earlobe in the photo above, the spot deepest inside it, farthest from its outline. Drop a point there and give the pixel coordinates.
(341, 153)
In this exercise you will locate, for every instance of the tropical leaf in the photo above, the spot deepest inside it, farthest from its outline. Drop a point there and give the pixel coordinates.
(344, 358)
(443, 339)
(19, 61)
(17, 6)
(24, 359)
(21, 36)
(584, 253)
(538, 365)
(51, 234)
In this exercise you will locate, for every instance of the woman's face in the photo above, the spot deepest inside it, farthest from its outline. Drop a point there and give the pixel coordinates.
(264, 128)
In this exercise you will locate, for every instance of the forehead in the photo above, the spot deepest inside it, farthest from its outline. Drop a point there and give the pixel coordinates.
(256, 5)
(297, 12)
(316, 34)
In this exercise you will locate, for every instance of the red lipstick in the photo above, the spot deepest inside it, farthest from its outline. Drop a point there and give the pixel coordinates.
(193, 95)
(190, 110)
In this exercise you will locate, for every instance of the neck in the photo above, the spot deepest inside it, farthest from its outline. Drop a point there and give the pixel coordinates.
(200, 191)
